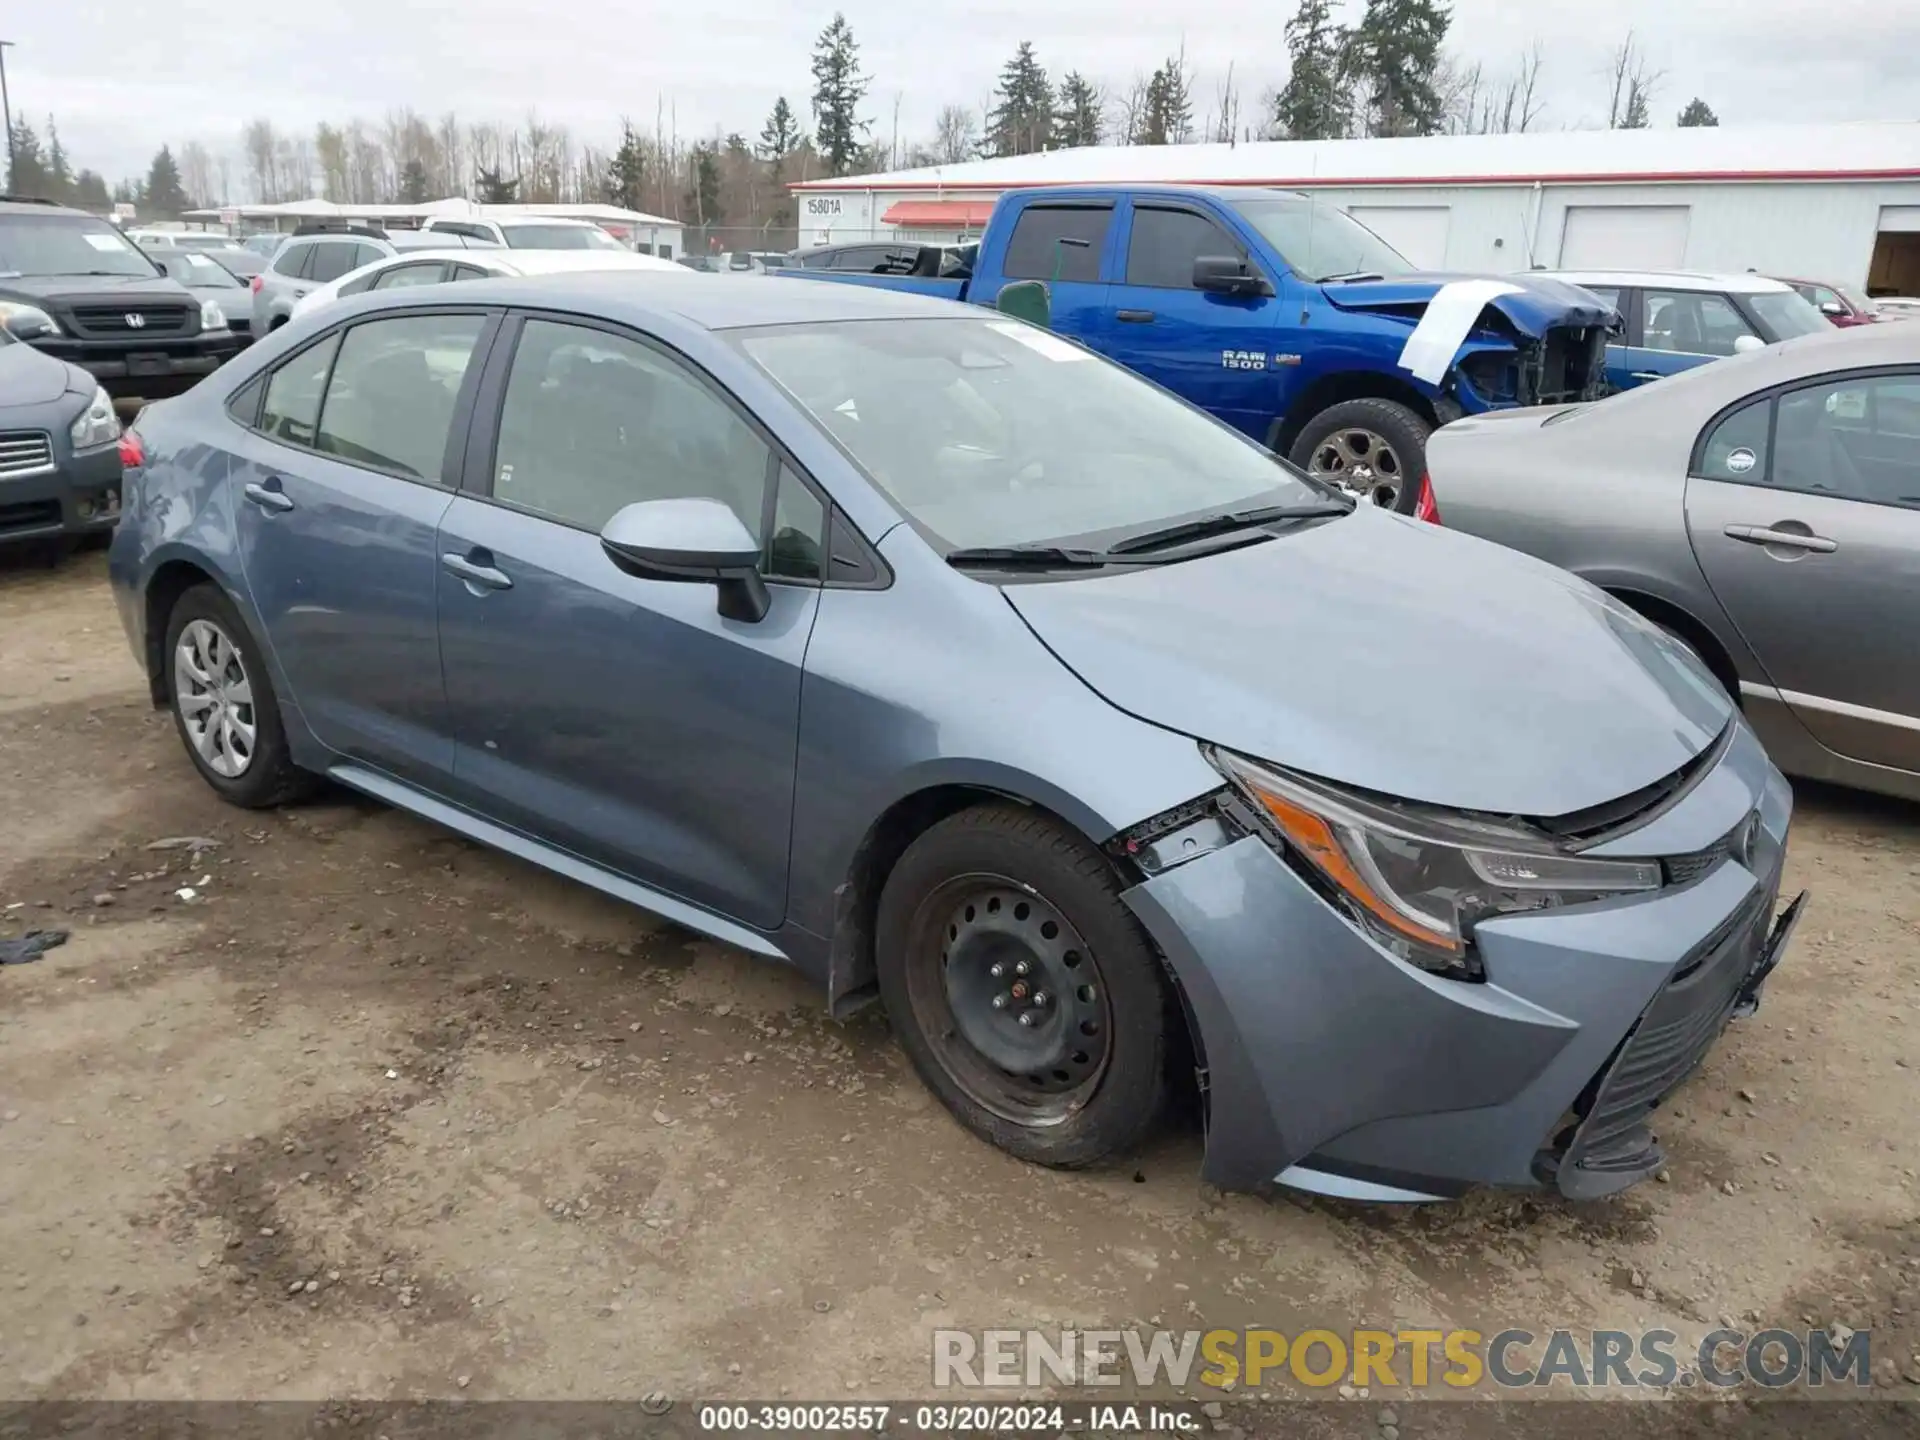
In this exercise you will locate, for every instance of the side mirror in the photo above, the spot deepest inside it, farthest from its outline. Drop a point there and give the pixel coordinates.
(699, 542)
(1228, 275)
(1026, 300)
(1832, 309)
(1744, 343)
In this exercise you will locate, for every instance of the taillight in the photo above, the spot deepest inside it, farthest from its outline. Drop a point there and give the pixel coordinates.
(133, 454)
(255, 283)
(1426, 508)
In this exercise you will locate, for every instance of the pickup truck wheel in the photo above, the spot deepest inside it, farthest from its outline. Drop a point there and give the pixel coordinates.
(1021, 987)
(1375, 450)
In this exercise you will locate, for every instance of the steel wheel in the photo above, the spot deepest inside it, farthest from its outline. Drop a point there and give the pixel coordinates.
(214, 695)
(1363, 463)
(1009, 995)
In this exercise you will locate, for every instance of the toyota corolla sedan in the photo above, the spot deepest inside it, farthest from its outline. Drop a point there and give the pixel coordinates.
(964, 671)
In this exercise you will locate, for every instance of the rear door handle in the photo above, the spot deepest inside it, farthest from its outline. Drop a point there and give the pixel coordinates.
(1134, 317)
(269, 497)
(1790, 539)
(478, 575)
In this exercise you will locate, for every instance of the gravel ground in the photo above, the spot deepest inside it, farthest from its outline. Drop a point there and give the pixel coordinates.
(379, 1113)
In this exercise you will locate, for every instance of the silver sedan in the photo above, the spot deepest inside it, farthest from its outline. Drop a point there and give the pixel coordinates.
(1765, 510)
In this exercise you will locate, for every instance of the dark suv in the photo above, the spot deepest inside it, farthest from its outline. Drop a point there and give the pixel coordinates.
(75, 287)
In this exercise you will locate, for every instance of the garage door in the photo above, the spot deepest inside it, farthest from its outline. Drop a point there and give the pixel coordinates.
(1624, 237)
(1899, 219)
(1418, 232)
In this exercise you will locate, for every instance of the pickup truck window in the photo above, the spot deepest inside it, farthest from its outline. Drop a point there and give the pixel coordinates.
(1035, 251)
(989, 432)
(1319, 241)
(1165, 243)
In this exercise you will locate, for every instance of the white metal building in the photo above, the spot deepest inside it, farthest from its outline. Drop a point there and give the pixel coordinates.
(651, 234)
(1839, 203)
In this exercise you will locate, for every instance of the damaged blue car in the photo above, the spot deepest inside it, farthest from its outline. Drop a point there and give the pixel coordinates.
(1281, 315)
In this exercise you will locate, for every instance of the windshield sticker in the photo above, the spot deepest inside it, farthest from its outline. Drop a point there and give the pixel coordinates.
(1039, 341)
(1740, 461)
(110, 243)
(1847, 404)
(1450, 315)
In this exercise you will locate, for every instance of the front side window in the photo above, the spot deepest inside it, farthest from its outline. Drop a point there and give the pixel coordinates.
(421, 272)
(1320, 241)
(1786, 314)
(1058, 242)
(292, 409)
(1736, 448)
(559, 237)
(1855, 439)
(1165, 243)
(59, 245)
(1687, 322)
(991, 432)
(593, 422)
(390, 402)
(795, 544)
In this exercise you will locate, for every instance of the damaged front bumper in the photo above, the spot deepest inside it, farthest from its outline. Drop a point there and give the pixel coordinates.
(1332, 1066)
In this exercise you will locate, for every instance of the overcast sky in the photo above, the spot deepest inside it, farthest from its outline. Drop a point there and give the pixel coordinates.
(121, 79)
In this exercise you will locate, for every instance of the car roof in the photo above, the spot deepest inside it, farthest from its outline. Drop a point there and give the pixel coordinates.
(1730, 284)
(638, 296)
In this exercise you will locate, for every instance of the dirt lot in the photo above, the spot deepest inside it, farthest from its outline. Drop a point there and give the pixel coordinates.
(379, 1113)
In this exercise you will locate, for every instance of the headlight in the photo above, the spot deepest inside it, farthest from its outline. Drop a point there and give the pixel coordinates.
(26, 322)
(98, 425)
(212, 317)
(1417, 878)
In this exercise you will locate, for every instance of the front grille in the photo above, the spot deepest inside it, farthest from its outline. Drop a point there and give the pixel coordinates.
(1566, 367)
(25, 452)
(134, 320)
(1683, 869)
(33, 515)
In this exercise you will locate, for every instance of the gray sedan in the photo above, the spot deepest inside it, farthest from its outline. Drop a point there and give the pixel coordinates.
(1764, 509)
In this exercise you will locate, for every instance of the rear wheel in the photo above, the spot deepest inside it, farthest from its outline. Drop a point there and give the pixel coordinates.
(1375, 450)
(1023, 990)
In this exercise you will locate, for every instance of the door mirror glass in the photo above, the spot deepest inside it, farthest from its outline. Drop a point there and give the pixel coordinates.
(1026, 300)
(1744, 343)
(1227, 275)
(1832, 309)
(699, 541)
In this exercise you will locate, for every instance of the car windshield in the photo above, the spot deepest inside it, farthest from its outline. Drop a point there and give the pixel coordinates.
(1787, 313)
(994, 433)
(559, 237)
(1319, 241)
(190, 268)
(68, 245)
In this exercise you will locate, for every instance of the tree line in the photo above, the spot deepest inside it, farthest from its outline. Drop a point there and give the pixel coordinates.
(1380, 70)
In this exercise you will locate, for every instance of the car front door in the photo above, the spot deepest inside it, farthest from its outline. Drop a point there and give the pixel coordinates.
(1213, 350)
(1679, 329)
(1804, 509)
(338, 488)
(625, 720)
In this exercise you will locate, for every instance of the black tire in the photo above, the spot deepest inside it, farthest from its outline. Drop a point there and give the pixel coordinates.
(1404, 430)
(1113, 1111)
(270, 777)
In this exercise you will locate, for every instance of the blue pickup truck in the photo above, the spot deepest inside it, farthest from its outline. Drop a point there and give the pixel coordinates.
(1281, 315)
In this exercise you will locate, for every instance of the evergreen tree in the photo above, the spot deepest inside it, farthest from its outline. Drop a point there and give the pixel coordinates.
(1698, 113)
(1315, 103)
(1638, 116)
(838, 88)
(1076, 115)
(1166, 117)
(1394, 56)
(90, 192)
(27, 175)
(1022, 121)
(627, 173)
(702, 199)
(493, 188)
(413, 183)
(59, 171)
(165, 197)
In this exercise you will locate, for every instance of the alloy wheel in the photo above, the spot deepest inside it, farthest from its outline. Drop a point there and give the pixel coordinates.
(214, 695)
(1362, 463)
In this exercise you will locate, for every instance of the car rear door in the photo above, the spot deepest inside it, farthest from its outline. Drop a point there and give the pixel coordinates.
(1804, 511)
(338, 486)
(625, 720)
(1066, 244)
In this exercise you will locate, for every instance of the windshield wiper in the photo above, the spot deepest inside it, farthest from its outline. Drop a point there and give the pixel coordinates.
(1226, 524)
(1348, 275)
(1012, 557)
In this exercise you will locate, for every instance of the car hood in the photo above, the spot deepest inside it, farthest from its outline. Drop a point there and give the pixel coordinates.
(93, 289)
(1538, 306)
(27, 377)
(1391, 655)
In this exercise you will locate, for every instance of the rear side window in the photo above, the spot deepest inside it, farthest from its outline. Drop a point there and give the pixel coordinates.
(1736, 448)
(1165, 243)
(390, 402)
(293, 394)
(1036, 251)
(331, 261)
(291, 257)
(420, 272)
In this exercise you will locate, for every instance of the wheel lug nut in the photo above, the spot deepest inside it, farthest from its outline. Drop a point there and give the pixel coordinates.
(998, 970)
(1039, 997)
(1020, 968)
(1000, 1002)
(1026, 1017)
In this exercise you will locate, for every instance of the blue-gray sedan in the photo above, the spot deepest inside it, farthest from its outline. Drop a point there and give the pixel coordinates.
(963, 670)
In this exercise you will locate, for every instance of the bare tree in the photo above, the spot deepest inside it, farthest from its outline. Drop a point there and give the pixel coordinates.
(196, 172)
(263, 154)
(955, 136)
(1522, 103)
(1226, 120)
(1133, 108)
(1633, 80)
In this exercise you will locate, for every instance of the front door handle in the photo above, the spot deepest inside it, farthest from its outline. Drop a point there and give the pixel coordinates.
(1789, 539)
(478, 575)
(269, 497)
(1134, 317)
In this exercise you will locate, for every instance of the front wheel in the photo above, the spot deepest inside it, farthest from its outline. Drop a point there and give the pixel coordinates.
(1375, 450)
(1024, 992)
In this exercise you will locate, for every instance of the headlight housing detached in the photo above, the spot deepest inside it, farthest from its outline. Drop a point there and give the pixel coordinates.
(1417, 878)
(26, 322)
(97, 425)
(212, 317)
